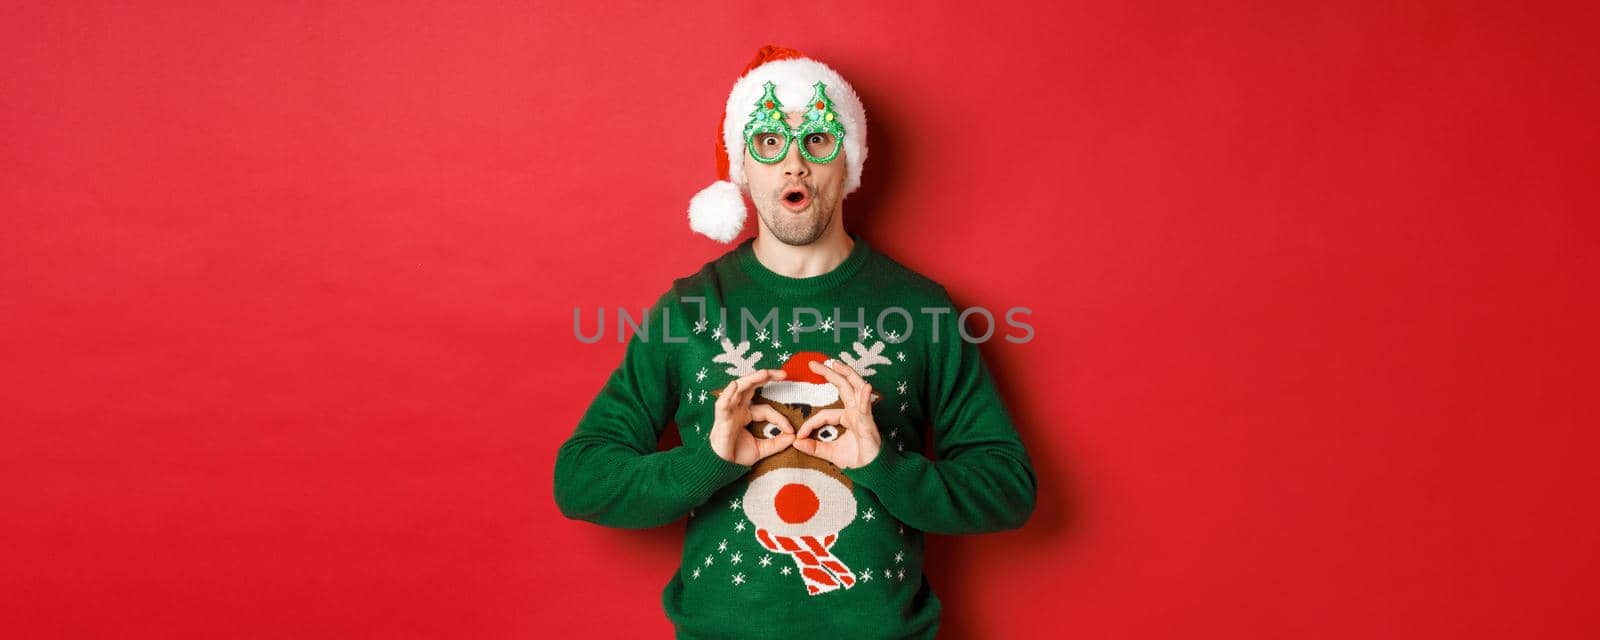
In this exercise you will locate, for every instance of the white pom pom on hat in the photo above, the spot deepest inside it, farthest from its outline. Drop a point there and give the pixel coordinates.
(718, 211)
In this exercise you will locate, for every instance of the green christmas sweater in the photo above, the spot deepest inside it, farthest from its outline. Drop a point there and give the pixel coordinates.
(795, 546)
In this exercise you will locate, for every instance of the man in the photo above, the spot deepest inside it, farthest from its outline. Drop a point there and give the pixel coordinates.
(800, 369)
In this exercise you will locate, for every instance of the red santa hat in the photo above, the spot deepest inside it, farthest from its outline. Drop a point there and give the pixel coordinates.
(718, 211)
(801, 385)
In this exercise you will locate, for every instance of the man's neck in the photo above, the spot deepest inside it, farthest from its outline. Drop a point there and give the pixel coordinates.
(804, 261)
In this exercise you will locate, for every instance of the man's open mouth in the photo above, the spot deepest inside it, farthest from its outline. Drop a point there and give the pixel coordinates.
(796, 198)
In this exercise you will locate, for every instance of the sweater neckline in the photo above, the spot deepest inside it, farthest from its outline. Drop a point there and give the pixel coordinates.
(783, 284)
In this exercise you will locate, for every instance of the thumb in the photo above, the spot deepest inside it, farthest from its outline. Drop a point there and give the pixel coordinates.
(769, 414)
(772, 446)
(826, 416)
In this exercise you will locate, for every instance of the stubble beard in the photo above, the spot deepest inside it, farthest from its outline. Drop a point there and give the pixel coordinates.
(797, 229)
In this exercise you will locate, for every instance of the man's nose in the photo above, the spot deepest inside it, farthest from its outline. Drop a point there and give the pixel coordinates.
(795, 166)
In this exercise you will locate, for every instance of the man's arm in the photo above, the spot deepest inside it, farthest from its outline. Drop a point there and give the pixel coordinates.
(609, 471)
(983, 480)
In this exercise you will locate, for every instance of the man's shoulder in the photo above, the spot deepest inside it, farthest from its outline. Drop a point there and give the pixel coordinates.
(705, 280)
(902, 283)
(696, 286)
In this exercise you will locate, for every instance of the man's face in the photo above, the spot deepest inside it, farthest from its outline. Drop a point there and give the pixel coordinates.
(797, 200)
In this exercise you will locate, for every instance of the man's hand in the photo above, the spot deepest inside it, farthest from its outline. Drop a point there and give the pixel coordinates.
(730, 440)
(859, 440)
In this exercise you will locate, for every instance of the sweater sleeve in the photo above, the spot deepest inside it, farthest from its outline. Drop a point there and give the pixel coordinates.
(610, 472)
(983, 480)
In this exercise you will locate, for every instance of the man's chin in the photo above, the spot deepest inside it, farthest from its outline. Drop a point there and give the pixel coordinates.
(795, 229)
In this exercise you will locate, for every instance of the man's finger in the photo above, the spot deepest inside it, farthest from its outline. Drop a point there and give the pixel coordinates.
(749, 380)
(846, 389)
(815, 448)
(772, 446)
(761, 412)
(748, 386)
(828, 372)
(759, 376)
(724, 400)
(825, 416)
(849, 373)
(748, 383)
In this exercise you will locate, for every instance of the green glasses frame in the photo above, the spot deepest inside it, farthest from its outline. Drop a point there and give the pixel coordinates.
(769, 118)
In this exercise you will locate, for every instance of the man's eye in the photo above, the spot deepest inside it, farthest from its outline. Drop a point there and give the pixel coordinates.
(815, 138)
(770, 141)
(771, 430)
(827, 434)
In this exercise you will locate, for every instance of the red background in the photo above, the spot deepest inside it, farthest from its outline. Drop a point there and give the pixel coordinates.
(288, 292)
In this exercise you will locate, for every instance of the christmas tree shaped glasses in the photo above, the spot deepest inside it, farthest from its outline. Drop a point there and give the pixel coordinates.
(767, 135)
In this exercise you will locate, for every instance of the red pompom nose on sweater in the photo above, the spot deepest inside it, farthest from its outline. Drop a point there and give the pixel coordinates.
(795, 503)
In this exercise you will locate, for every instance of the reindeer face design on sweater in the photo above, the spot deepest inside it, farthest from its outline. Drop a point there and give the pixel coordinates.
(801, 503)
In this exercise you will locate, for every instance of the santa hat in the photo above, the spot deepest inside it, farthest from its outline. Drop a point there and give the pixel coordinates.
(718, 211)
(801, 385)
